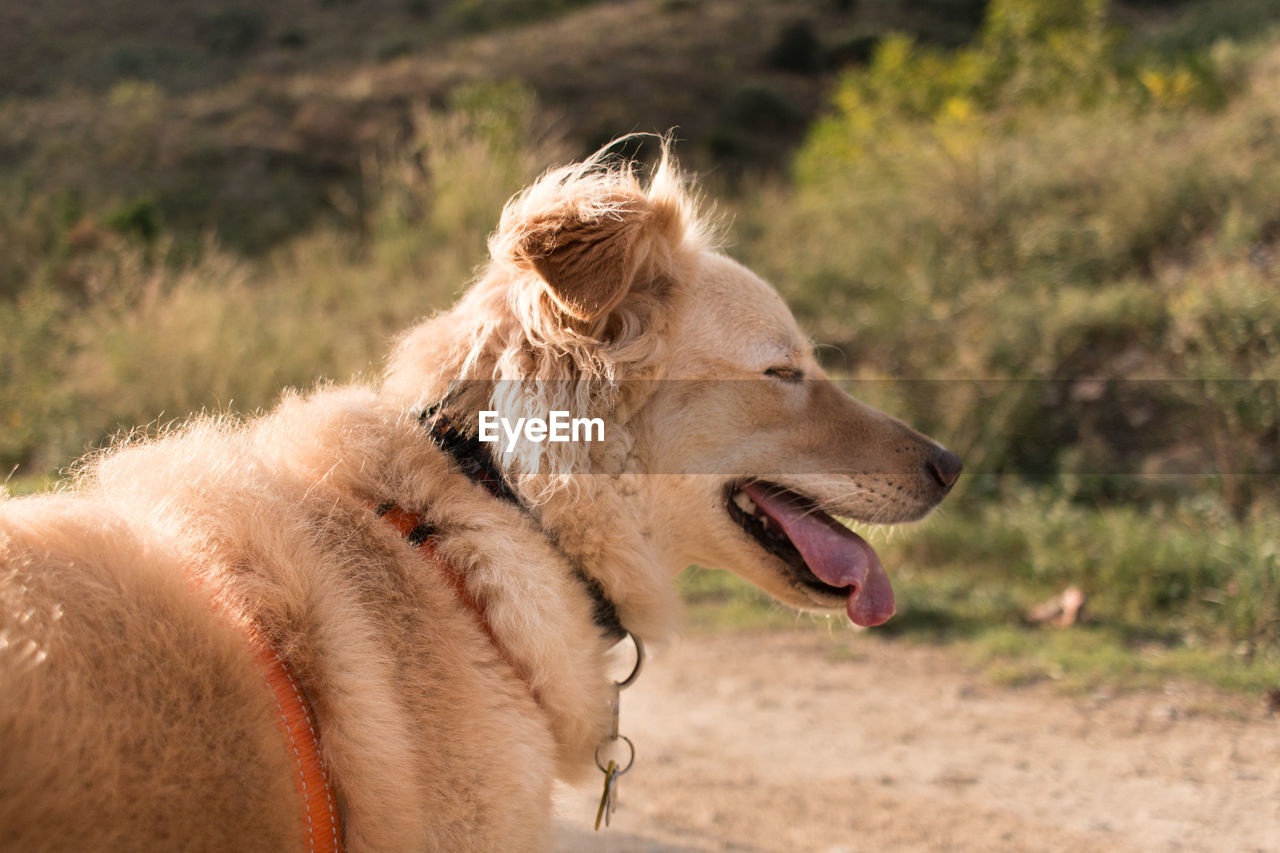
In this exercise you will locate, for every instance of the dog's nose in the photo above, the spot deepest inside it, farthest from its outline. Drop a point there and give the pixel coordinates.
(945, 467)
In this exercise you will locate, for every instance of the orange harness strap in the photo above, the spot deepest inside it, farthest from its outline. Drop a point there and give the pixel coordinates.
(301, 735)
(324, 832)
(297, 721)
(420, 536)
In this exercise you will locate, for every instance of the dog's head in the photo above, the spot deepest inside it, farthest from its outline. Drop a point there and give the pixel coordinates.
(606, 297)
(785, 450)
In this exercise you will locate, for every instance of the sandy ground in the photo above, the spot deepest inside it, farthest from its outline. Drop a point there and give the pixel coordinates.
(799, 742)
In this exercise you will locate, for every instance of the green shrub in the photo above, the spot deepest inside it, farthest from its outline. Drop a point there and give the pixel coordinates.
(139, 218)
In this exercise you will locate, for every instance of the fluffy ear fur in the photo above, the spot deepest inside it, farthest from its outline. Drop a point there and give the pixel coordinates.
(583, 262)
(587, 258)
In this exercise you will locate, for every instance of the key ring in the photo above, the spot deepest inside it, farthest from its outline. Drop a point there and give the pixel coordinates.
(631, 758)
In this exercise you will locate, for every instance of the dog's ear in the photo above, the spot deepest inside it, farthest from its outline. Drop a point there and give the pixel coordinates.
(587, 259)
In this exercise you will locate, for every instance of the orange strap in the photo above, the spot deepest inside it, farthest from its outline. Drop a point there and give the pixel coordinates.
(301, 735)
(324, 832)
(419, 536)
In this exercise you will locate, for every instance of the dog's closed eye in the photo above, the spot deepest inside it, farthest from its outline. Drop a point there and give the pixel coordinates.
(786, 374)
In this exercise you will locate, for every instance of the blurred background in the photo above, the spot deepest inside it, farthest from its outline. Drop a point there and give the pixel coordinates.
(1054, 224)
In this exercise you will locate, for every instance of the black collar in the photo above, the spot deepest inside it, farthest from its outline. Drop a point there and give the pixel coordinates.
(473, 459)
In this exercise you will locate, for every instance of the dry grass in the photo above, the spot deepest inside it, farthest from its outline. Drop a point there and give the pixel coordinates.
(106, 334)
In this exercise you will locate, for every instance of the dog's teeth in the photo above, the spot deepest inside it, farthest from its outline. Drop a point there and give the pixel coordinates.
(744, 503)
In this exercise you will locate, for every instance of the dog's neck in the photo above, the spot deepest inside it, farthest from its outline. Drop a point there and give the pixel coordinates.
(618, 565)
(473, 459)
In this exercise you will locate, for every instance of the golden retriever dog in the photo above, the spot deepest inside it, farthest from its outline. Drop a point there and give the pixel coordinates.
(355, 623)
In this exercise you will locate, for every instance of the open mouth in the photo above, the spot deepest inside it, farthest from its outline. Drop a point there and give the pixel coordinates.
(826, 559)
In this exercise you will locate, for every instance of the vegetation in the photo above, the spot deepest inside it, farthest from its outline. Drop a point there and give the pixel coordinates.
(256, 120)
(1043, 230)
(1098, 236)
(105, 326)
(1065, 243)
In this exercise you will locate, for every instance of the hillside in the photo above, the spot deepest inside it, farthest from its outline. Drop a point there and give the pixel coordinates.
(257, 121)
(248, 119)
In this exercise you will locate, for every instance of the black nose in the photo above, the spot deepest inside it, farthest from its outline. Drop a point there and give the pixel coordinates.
(945, 467)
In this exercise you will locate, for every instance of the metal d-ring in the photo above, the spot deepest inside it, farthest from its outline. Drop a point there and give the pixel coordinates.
(631, 758)
(635, 672)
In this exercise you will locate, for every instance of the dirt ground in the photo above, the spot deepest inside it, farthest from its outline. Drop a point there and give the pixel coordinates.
(799, 742)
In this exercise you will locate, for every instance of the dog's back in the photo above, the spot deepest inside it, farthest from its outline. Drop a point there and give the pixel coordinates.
(123, 695)
(133, 715)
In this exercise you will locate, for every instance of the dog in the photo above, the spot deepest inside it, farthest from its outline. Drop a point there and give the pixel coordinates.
(352, 624)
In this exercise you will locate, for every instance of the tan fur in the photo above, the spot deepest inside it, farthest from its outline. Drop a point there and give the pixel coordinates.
(131, 714)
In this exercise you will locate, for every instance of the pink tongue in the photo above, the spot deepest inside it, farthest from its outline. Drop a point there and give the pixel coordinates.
(836, 555)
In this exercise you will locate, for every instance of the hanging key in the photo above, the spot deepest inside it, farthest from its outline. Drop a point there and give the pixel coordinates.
(610, 791)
